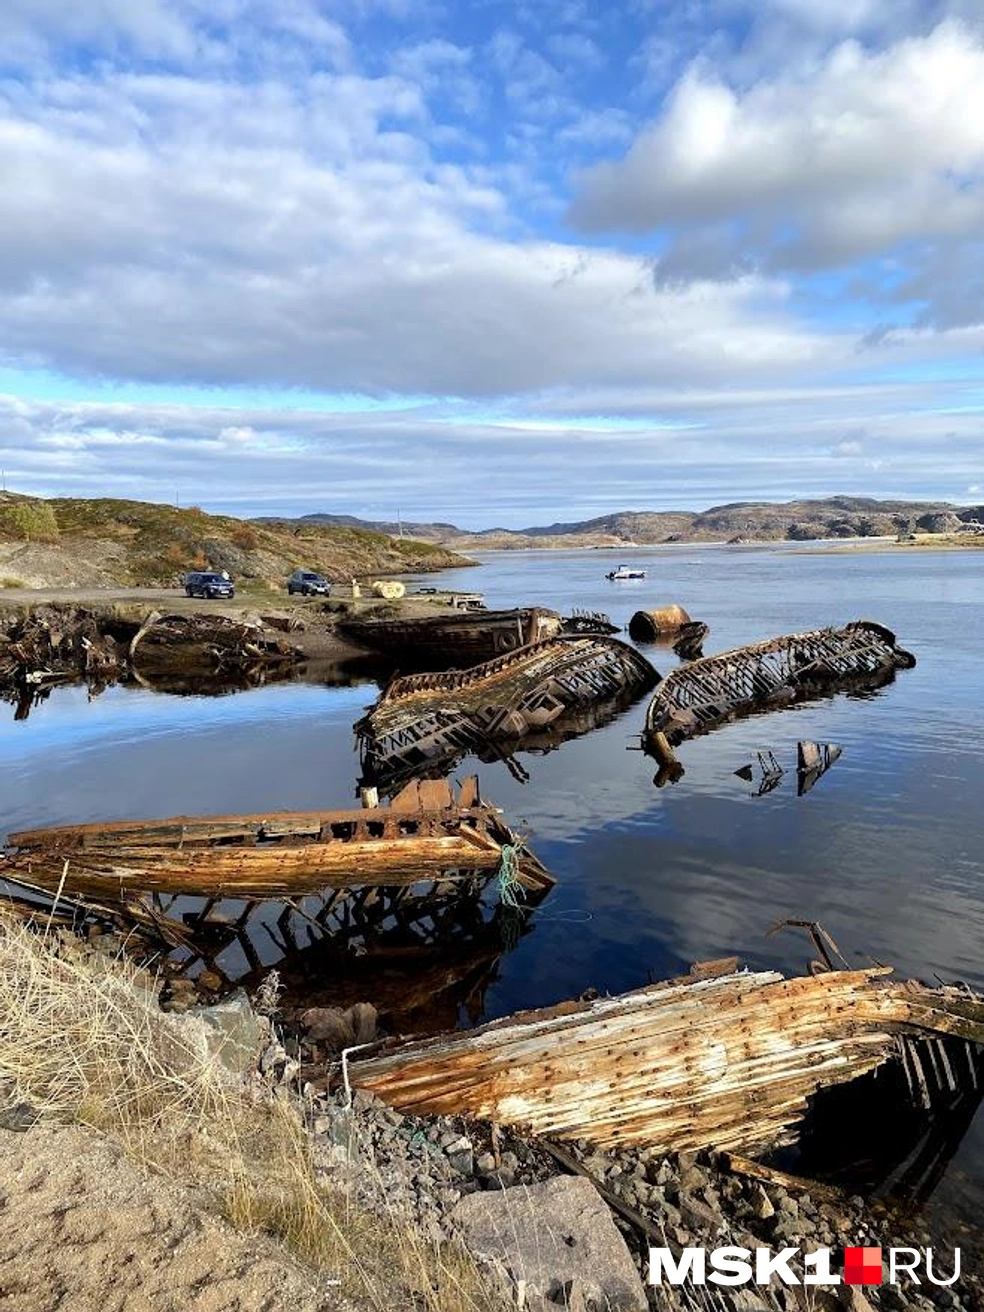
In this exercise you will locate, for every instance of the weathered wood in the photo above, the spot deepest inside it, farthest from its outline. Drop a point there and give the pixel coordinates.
(729, 1061)
(272, 856)
(736, 1164)
(424, 719)
(795, 667)
(459, 638)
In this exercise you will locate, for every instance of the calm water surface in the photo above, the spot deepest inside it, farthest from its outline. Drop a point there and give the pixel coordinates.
(886, 851)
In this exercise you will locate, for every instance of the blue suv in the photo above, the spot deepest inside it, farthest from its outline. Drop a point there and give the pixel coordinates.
(210, 585)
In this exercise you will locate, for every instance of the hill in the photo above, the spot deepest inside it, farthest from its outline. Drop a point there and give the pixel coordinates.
(74, 542)
(831, 517)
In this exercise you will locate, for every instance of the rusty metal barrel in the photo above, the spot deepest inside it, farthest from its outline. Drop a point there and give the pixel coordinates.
(648, 625)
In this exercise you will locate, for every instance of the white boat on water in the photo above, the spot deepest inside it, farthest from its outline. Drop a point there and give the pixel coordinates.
(616, 575)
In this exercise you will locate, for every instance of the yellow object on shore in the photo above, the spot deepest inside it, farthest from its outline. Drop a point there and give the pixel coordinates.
(390, 589)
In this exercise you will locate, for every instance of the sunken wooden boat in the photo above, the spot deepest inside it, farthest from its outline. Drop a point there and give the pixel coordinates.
(778, 672)
(454, 640)
(424, 833)
(722, 1058)
(424, 718)
(207, 644)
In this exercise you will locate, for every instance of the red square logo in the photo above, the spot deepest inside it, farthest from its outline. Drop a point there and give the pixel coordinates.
(862, 1266)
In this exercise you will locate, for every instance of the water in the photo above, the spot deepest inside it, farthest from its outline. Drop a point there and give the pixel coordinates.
(885, 852)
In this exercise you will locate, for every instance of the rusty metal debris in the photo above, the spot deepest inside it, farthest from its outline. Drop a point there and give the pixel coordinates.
(422, 720)
(663, 621)
(722, 1058)
(766, 675)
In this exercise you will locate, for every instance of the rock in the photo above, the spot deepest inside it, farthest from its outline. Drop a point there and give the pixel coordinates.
(485, 1163)
(230, 1031)
(20, 1116)
(762, 1204)
(580, 1296)
(462, 1161)
(210, 980)
(853, 1300)
(338, 1029)
(665, 1173)
(551, 1233)
(789, 1206)
(697, 1215)
(691, 1180)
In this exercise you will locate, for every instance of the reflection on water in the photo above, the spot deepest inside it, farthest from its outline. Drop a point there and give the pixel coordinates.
(189, 681)
(423, 954)
(885, 852)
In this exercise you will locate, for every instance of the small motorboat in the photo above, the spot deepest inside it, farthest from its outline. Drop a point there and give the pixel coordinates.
(616, 575)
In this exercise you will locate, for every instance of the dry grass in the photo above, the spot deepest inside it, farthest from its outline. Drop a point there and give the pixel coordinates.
(82, 1038)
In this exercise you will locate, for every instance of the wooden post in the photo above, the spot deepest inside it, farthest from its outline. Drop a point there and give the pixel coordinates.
(659, 746)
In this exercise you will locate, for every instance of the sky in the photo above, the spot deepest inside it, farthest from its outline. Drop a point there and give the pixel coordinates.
(491, 261)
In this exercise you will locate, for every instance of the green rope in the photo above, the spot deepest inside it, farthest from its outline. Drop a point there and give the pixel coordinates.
(510, 886)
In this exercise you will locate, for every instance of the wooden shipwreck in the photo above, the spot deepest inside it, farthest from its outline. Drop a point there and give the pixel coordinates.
(210, 644)
(453, 640)
(765, 675)
(722, 1058)
(421, 720)
(426, 843)
(59, 644)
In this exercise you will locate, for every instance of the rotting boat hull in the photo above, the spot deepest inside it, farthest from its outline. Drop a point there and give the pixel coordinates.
(423, 719)
(768, 675)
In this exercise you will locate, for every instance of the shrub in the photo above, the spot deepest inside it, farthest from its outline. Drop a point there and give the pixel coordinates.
(30, 521)
(245, 536)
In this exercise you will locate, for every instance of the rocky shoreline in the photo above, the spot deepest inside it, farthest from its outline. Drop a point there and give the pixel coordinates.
(505, 1199)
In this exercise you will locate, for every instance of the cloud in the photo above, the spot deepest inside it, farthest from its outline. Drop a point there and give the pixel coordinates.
(870, 151)
(162, 228)
(580, 453)
(366, 196)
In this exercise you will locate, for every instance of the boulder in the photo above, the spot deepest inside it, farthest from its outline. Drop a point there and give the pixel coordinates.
(337, 1029)
(548, 1235)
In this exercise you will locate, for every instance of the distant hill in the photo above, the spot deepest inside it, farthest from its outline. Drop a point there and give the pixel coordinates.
(830, 517)
(71, 542)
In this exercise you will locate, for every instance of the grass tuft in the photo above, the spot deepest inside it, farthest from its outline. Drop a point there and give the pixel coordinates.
(82, 1038)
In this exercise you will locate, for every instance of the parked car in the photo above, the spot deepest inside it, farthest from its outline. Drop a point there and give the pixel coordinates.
(308, 584)
(200, 583)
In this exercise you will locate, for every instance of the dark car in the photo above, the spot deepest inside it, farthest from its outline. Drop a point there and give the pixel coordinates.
(307, 583)
(208, 584)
